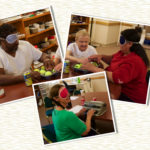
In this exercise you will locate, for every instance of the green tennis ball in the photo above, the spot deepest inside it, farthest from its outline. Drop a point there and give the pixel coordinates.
(77, 66)
(53, 71)
(42, 72)
(37, 70)
(94, 63)
(42, 68)
(48, 73)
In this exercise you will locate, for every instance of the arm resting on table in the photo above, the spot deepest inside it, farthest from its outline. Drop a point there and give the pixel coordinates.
(9, 79)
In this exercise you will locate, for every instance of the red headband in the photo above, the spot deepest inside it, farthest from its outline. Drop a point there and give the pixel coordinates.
(63, 93)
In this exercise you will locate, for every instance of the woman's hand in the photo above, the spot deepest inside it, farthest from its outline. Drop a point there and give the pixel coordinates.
(90, 113)
(91, 67)
(95, 58)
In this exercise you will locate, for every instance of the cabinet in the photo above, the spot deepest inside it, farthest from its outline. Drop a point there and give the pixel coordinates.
(77, 23)
(24, 22)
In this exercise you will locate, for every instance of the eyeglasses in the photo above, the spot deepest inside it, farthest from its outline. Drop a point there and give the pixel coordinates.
(122, 40)
(11, 38)
(63, 93)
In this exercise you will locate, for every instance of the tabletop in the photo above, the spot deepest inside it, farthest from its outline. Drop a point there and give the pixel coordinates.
(100, 96)
(19, 90)
(16, 91)
(115, 89)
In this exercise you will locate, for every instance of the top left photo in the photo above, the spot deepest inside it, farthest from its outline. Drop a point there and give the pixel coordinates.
(29, 53)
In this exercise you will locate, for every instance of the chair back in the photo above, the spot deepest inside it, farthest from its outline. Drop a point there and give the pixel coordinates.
(48, 102)
(147, 76)
(49, 133)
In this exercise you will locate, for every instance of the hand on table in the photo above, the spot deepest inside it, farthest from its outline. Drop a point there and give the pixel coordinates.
(35, 76)
(95, 58)
(58, 67)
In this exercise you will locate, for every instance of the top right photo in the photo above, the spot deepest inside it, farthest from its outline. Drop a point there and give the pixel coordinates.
(121, 49)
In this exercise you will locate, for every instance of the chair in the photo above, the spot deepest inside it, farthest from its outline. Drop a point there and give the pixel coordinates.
(49, 107)
(76, 92)
(148, 76)
(48, 132)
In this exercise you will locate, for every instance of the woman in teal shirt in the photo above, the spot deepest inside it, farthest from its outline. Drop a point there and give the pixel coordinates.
(67, 125)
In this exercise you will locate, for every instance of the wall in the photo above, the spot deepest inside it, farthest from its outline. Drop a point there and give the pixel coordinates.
(99, 85)
(105, 32)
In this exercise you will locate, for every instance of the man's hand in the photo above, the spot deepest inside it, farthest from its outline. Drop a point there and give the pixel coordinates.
(58, 67)
(35, 76)
(48, 64)
(95, 58)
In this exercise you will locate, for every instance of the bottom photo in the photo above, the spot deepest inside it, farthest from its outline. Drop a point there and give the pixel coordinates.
(74, 108)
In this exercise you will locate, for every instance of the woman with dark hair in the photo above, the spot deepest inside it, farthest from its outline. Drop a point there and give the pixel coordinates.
(127, 67)
(67, 125)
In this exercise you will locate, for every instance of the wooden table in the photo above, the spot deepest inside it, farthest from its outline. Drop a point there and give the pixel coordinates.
(100, 96)
(16, 91)
(20, 90)
(115, 89)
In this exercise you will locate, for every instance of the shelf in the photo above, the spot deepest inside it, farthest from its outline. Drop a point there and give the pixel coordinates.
(79, 24)
(38, 33)
(20, 22)
(50, 46)
(37, 16)
(14, 21)
(22, 38)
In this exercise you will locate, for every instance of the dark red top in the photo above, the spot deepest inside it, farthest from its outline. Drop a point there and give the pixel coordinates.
(130, 71)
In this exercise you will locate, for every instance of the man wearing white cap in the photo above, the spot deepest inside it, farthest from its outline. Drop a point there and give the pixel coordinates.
(16, 57)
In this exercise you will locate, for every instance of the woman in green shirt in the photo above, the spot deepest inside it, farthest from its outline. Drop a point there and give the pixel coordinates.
(67, 125)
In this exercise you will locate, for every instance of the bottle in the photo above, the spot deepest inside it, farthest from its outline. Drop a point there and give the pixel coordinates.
(66, 66)
(82, 97)
(82, 100)
(78, 79)
(27, 78)
(94, 98)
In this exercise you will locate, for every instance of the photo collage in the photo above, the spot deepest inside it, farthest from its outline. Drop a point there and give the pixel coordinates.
(104, 60)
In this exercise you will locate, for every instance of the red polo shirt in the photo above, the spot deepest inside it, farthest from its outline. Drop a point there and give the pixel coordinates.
(130, 71)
